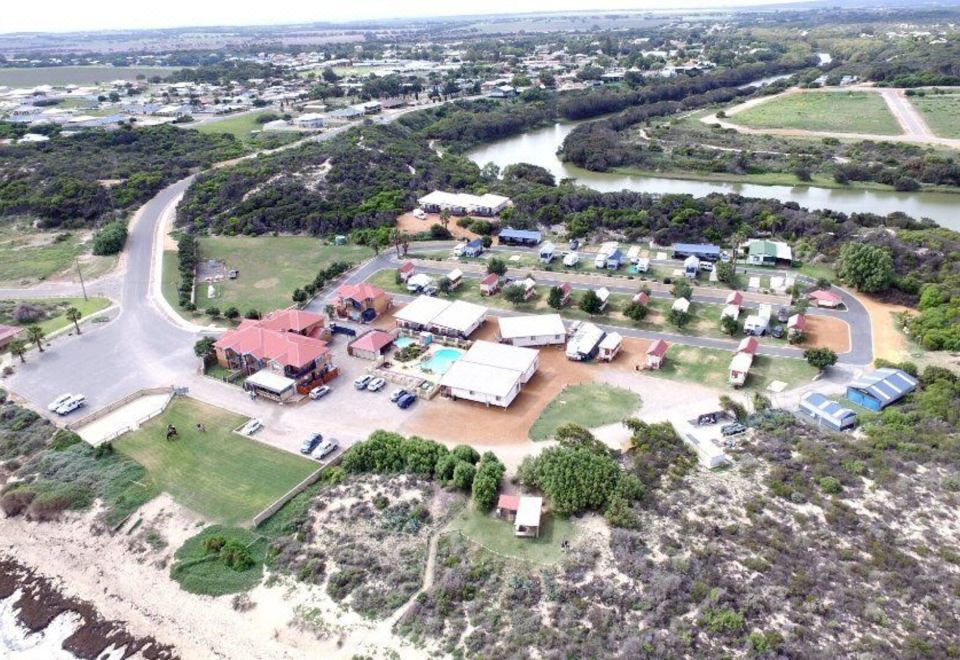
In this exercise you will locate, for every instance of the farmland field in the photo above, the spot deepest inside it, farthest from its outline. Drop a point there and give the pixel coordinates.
(941, 112)
(76, 75)
(851, 112)
(222, 476)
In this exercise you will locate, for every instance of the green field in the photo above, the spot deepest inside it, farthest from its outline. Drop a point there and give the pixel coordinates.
(271, 267)
(589, 405)
(76, 75)
(201, 571)
(28, 256)
(710, 367)
(55, 309)
(497, 536)
(850, 112)
(239, 126)
(222, 476)
(941, 112)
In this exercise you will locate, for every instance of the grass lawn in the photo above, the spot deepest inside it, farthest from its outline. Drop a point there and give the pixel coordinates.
(941, 112)
(589, 405)
(27, 255)
(239, 126)
(710, 366)
(222, 476)
(851, 112)
(201, 571)
(55, 308)
(271, 267)
(497, 536)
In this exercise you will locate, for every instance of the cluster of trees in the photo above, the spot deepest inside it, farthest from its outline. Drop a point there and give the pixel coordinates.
(224, 72)
(110, 238)
(188, 255)
(324, 275)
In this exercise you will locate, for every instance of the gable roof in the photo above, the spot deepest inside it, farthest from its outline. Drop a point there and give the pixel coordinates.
(828, 296)
(520, 234)
(509, 502)
(886, 385)
(360, 291)
(797, 322)
(817, 404)
(658, 348)
(748, 345)
(492, 278)
(373, 341)
(285, 348)
(735, 298)
(289, 320)
(406, 267)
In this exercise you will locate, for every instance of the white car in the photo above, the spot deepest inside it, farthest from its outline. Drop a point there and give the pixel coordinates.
(328, 446)
(362, 382)
(419, 214)
(319, 392)
(59, 401)
(74, 402)
(376, 384)
(251, 427)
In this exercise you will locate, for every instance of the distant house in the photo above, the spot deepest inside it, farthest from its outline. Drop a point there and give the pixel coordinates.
(763, 252)
(406, 270)
(610, 346)
(532, 330)
(881, 388)
(524, 512)
(547, 252)
(827, 299)
(681, 305)
(740, 368)
(502, 92)
(490, 284)
(370, 345)
(603, 293)
(691, 267)
(487, 204)
(826, 412)
(703, 251)
(657, 354)
(473, 249)
(7, 334)
(796, 325)
(361, 302)
(641, 298)
(309, 120)
(523, 237)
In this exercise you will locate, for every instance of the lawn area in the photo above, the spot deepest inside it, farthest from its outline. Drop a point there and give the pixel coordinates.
(589, 405)
(851, 112)
(941, 112)
(710, 366)
(27, 255)
(200, 570)
(222, 476)
(271, 267)
(54, 310)
(497, 536)
(239, 126)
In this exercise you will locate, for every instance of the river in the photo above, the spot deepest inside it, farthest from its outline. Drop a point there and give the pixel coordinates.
(539, 147)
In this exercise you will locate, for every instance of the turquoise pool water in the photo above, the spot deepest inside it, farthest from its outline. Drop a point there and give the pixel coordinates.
(440, 361)
(400, 342)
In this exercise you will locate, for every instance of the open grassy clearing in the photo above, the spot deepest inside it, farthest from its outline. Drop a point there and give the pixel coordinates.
(28, 256)
(239, 126)
(589, 405)
(77, 75)
(710, 367)
(200, 570)
(497, 536)
(941, 112)
(851, 112)
(53, 311)
(221, 475)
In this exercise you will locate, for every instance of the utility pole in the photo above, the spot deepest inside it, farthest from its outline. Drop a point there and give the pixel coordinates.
(82, 285)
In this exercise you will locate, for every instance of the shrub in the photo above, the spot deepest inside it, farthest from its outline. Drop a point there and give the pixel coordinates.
(723, 620)
(830, 485)
(463, 475)
(64, 438)
(25, 313)
(110, 238)
(486, 482)
(466, 453)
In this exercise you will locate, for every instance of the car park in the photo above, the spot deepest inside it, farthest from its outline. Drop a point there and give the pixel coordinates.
(406, 401)
(376, 384)
(71, 404)
(251, 427)
(733, 429)
(319, 392)
(59, 401)
(311, 443)
(325, 448)
(396, 396)
(362, 382)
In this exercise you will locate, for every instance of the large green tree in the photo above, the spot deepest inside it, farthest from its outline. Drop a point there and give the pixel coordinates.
(868, 268)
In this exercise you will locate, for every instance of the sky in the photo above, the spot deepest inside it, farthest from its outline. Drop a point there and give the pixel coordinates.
(71, 15)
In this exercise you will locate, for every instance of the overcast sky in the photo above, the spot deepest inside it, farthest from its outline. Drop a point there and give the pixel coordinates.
(70, 15)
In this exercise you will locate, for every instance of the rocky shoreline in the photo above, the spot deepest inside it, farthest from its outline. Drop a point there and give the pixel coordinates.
(41, 602)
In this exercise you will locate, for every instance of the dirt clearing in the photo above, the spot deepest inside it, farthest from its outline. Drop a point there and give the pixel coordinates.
(410, 224)
(828, 332)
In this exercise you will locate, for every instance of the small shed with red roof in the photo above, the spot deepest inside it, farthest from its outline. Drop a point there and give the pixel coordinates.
(7, 333)
(642, 298)
(406, 270)
(735, 298)
(490, 284)
(507, 506)
(565, 291)
(823, 298)
(748, 345)
(657, 354)
(371, 345)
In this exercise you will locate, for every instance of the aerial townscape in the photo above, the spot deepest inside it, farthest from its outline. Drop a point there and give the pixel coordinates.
(417, 332)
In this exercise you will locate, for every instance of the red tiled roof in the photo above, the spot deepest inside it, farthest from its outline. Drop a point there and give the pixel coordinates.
(508, 502)
(406, 267)
(797, 321)
(658, 348)
(735, 298)
(641, 298)
(565, 288)
(492, 278)
(829, 296)
(359, 291)
(748, 345)
(286, 348)
(289, 320)
(8, 331)
(373, 341)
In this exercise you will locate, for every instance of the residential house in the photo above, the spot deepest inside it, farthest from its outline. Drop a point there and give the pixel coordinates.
(702, 251)
(881, 388)
(827, 299)
(610, 346)
(657, 354)
(691, 267)
(764, 252)
(371, 345)
(457, 318)
(527, 521)
(490, 284)
(473, 249)
(309, 120)
(547, 252)
(361, 302)
(532, 330)
(487, 204)
(521, 237)
(406, 270)
(507, 506)
(826, 412)
(740, 369)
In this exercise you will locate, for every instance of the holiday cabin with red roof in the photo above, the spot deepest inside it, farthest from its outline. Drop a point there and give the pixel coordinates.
(406, 270)
(361, 302)
(657, 354)
(825, 298)
(490, 284)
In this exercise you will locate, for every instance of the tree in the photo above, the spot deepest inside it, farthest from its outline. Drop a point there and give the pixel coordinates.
(110, 238)
(497, 266)
(203, 348)
(725, 272)
(18, 347)
(444, 285)
(678, 317)
(682, 289)
(821, 358)
(736, 409)
(760, 402)
(635, 311)
(231, 313)
(555, 299)
(514, 294)
(486, 482)
(575, 436)
(869, 268)
(590, 302)
(35, 334)
(797, 337)
(463, 475)
(73, 314)
(729, 325)
(299, 296)
(444, 218)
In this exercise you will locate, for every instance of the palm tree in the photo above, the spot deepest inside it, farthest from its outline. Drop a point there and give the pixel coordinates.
(36, 334)
(444, 218)
(74, 315)
(18, 347)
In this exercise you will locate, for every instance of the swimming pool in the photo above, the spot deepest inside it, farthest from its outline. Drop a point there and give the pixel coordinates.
(401, 342)
(440, 361)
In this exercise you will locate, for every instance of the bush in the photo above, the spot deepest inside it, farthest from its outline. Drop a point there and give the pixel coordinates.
(830, 485)
(463, 475)
(64, 438)
(486, 482)
(110, 238)
(25, 314)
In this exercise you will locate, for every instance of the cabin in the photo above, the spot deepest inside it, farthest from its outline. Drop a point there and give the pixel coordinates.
(881, 388)
(532, 330)
(734, 298)
(473, 249)
(827, 299)
(764, 252)
(642, 265)
(609, 347)
(827, 413)
(733, 311)
(490, 373)
(490, 284)
(526, 524)
(571, 259)
(603, 293)
(681, 305)
(702, 251)
(455, 277)
(748, 345)
(796, 325)
(547, 252)
(565, 290)
(529, 287)
(633, 254)
(406, 270)
(522, 237)
(614, 260)
(641, 298)
(691, 267)
(657, 354)
(740, 369)
(584, 341)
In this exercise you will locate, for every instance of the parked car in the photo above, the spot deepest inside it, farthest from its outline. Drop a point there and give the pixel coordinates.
(733, 429)
(362, 382)
(783, 314)
(707, 418)
(342, 330)
(71, 404)
(311, 443)
(574, 244)
(59, 401)
(406, 401)
(376, 384)
(233, 274)
(251, 427)
(430, 290)
(777, 332)
(419, 214)
(396, 396)
(706, 266)
(326, 447)
(319, 392)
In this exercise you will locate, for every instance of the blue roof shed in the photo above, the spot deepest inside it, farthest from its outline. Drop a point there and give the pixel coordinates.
(826, 412)
(879, 389)
(700, 250)
(521, 236)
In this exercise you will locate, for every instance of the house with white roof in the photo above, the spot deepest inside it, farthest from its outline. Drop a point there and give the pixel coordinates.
(487, 204)
(490, 373)
(532, 330)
